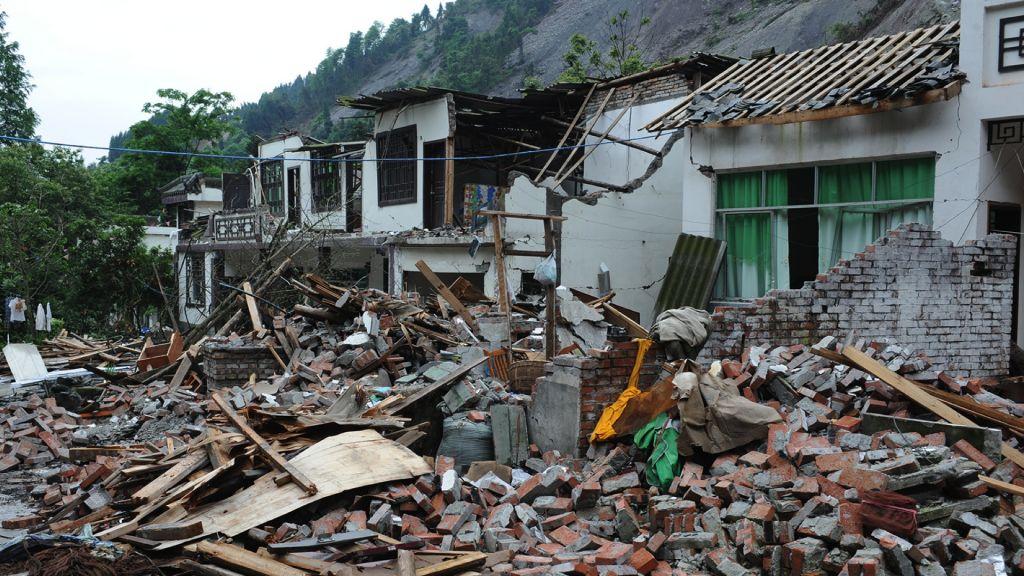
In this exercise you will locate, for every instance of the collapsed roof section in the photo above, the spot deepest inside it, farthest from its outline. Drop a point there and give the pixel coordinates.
(872, 75)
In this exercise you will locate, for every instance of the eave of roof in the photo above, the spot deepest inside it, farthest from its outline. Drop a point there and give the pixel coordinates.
(872, 75)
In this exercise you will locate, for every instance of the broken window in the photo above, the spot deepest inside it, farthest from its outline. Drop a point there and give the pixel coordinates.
(396, 168)
(195, 277)
(353, 195)
(272, 181)
(326, 182)
(782, 227)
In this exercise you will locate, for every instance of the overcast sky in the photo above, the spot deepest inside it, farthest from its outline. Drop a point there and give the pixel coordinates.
(95, 64)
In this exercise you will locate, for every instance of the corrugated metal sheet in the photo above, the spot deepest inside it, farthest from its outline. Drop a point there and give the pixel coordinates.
(691, 274)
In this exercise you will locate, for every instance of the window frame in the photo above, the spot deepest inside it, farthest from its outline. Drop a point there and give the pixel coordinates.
(325, 182)
(397, 180)
(195, 287)
(720, 226)
(269, 183)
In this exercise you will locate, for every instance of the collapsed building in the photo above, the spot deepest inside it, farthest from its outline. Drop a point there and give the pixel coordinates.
(775, 340)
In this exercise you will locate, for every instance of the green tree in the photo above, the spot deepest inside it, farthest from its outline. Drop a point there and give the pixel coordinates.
(624, 57)
(16, 118)
(182, 123)
(584, 59)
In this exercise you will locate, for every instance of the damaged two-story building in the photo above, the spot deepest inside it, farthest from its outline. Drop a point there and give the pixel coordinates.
(799, 162)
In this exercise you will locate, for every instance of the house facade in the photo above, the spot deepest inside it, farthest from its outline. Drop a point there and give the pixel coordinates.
(301, 198)
(798, 161)
(575, 150)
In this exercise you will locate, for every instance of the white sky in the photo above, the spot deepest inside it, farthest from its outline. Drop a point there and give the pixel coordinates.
(95, 64)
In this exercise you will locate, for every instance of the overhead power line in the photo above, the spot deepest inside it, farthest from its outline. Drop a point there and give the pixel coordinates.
(247, 158)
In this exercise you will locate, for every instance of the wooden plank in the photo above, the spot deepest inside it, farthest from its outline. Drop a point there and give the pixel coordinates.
(276, 459)
(171, 531)
(910, 390)
(346, 461)
(451, 378)
(832, 112)
(445, 293)
(406, 563)
(249, 562)
(569, 129)
(171, 478)
(566, 171)
(250, 303)
(308, 544)
(522, 215)
(1002, 486)
(613, 316)
(462, 563)
(193, 567)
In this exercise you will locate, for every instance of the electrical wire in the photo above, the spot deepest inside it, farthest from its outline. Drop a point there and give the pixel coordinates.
(334, 160)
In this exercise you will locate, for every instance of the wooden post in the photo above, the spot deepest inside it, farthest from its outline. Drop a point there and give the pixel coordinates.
(550, 311)
(499, 261)
(449, 181)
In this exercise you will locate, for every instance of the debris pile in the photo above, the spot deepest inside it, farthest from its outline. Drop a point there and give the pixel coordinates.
(364, 433)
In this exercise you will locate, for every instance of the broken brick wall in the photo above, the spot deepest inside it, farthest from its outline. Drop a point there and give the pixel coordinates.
(673, 85)
(953, 303)
(227, 365)
(569, 398)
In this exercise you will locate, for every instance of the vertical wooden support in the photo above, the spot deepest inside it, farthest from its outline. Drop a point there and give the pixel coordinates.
(449, 181)
(550, 310)
(499, 261)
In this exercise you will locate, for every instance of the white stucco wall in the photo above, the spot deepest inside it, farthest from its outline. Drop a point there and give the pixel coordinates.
(431, 121)
(632, 233)
(162, 237)
(968, 175)
(442, 259)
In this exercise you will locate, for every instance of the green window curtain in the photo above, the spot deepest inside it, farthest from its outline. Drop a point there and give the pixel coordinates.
(741, 190)
(905, 180)
(843, 231)
(844, 183)
(748, 255)
(776, 188)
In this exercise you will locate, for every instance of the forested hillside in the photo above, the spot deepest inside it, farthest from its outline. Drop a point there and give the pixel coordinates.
(497, 46)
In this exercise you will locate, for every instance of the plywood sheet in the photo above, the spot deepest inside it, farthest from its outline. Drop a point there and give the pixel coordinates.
(343, 462)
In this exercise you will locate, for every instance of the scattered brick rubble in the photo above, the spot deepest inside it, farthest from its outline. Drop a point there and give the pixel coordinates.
(857, 480)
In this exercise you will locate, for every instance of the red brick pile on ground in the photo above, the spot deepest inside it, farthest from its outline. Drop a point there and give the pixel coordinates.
(818, 496)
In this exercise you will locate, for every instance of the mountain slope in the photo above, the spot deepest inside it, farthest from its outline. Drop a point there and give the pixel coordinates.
(490, 46)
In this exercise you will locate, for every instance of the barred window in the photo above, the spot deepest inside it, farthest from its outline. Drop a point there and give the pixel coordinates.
(195, 276)
(326, 182)
(396, 179)
(272, 179)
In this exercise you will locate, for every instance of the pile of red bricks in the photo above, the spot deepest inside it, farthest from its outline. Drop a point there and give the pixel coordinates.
(820, 495)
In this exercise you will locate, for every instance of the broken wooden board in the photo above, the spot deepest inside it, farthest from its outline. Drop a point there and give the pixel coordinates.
(911, 390)
(171, 478)
(251, 563)
(445, 293)
(276, 459)
(343, 462)
(457, 565)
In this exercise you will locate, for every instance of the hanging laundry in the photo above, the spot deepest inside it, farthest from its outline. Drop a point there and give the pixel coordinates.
(40, 318)
(17, 307)
(49, 318)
